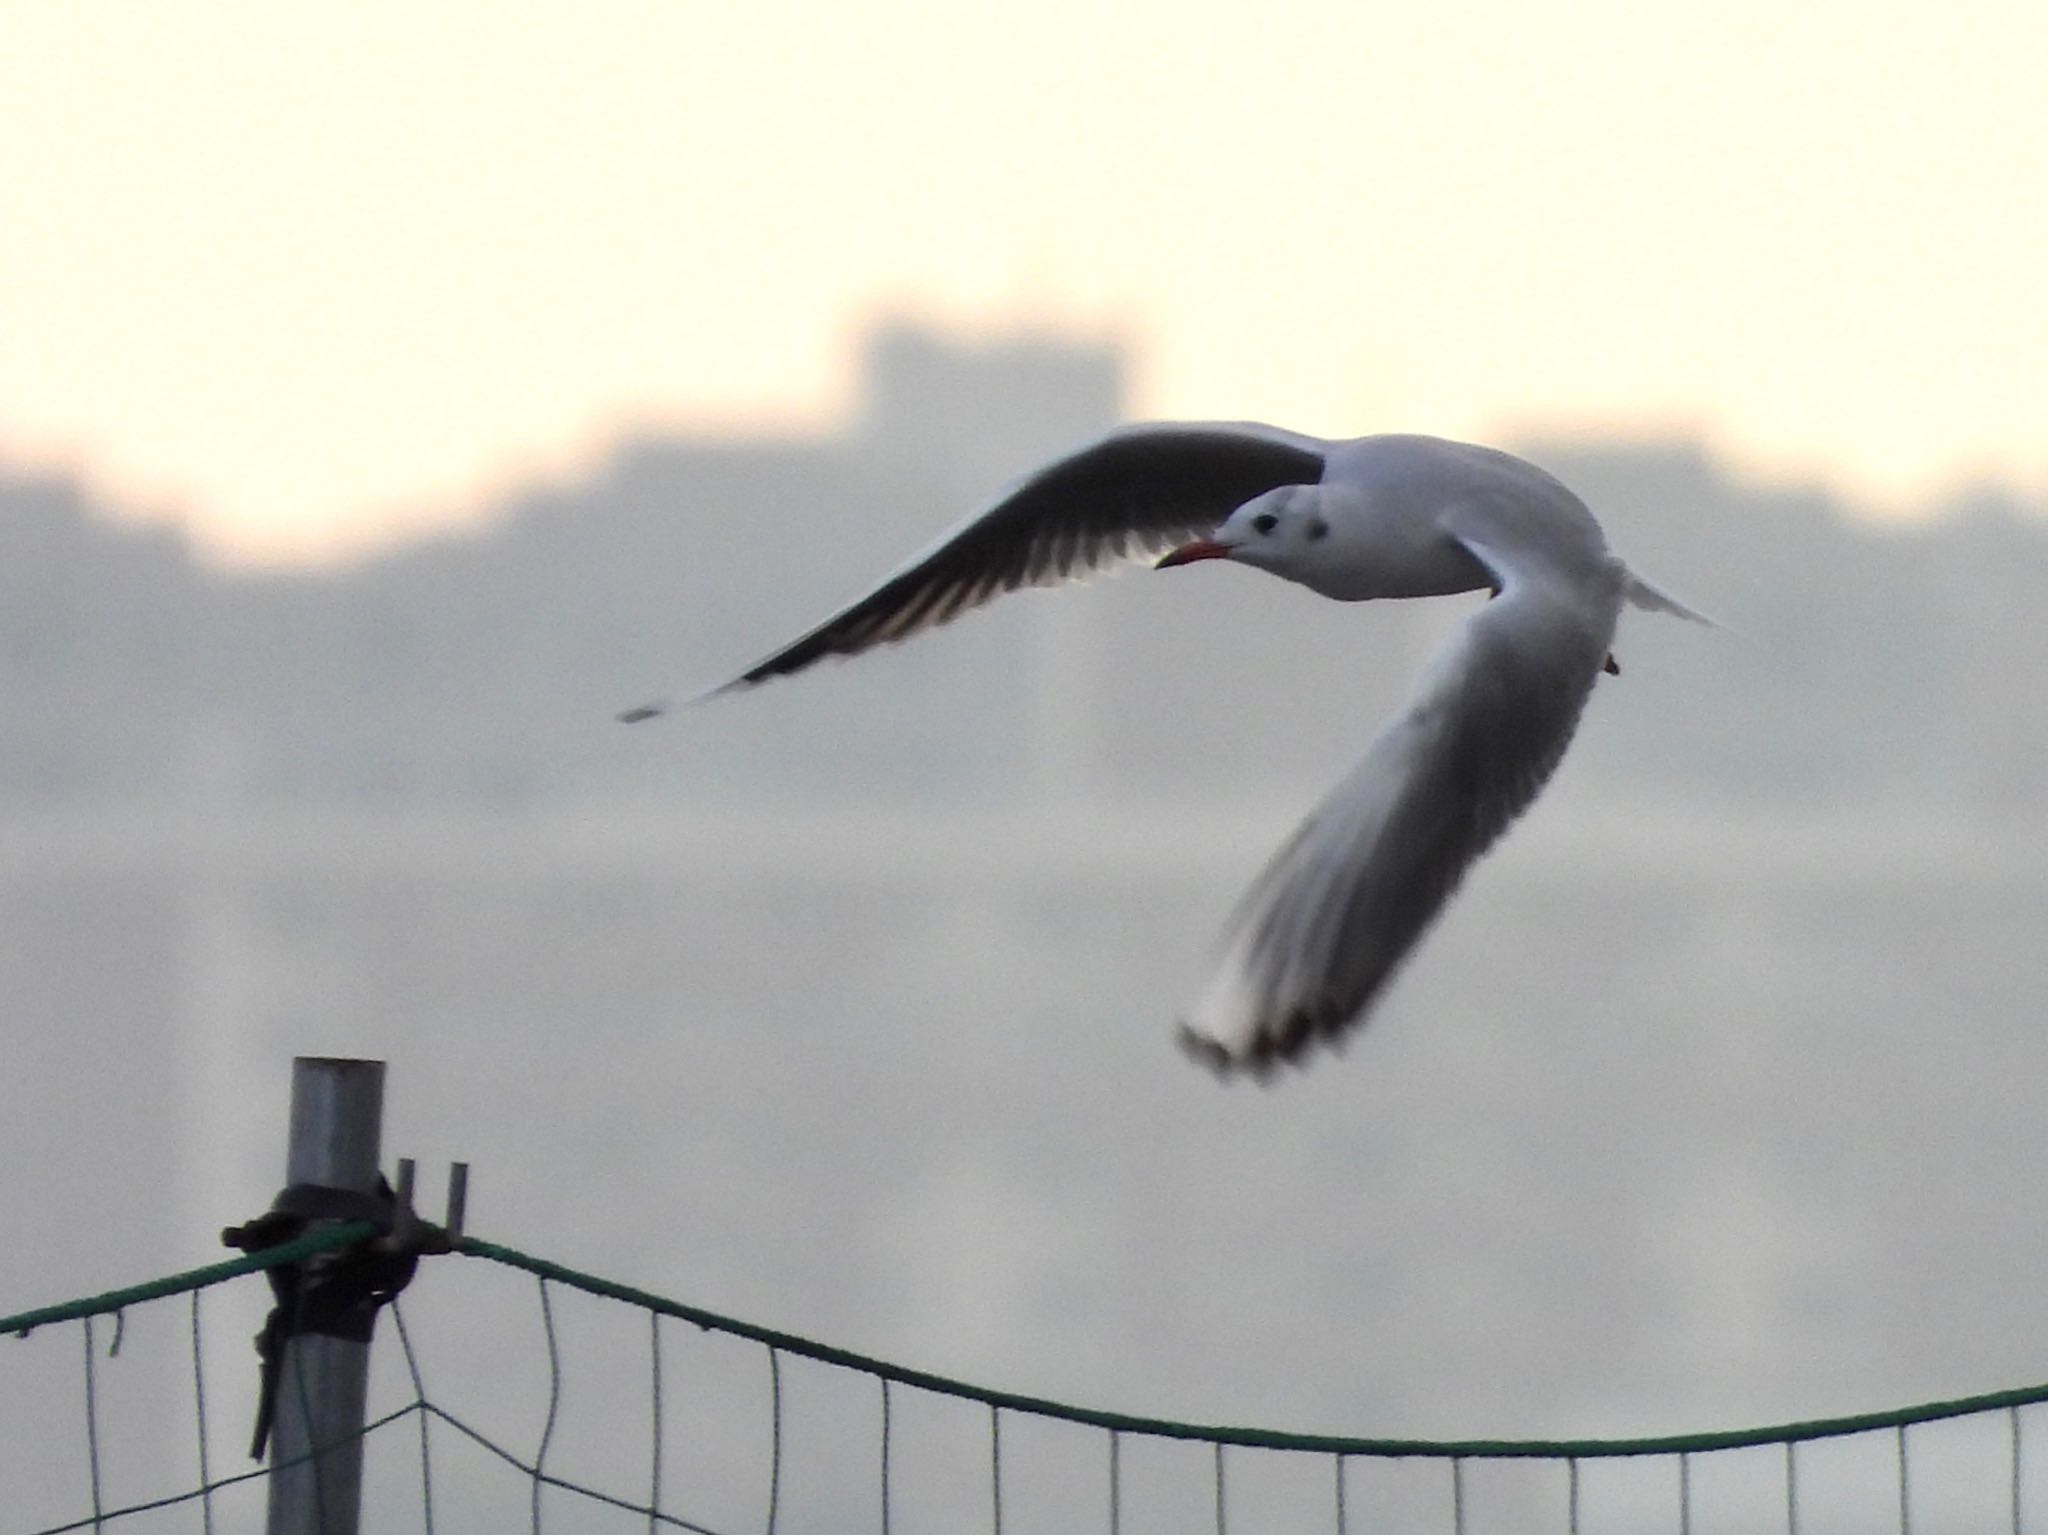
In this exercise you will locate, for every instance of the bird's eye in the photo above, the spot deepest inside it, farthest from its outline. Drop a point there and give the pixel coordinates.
(1265, 522)
(1317, 528)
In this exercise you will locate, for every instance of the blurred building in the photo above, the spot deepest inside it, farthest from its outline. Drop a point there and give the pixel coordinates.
(481, 669)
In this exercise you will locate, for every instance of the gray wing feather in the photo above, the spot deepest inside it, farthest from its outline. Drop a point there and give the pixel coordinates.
(1136, 492)
(1326, 925)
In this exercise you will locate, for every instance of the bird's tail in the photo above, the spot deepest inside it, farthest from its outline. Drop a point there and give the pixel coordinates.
(1643, 595)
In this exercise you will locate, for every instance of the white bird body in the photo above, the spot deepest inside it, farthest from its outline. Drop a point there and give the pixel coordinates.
(1316, 938)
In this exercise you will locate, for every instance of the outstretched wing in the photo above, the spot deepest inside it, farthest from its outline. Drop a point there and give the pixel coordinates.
(1136, 492)
(1325, 926)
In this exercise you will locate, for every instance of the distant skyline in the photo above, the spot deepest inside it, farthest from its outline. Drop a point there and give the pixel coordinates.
(313, 280)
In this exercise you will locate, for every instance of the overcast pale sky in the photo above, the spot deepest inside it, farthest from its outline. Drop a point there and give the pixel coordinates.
(312, 275)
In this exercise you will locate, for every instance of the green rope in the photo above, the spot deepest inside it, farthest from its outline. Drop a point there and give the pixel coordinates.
(330, 1238)
(325, 1239)
(1260, 1438)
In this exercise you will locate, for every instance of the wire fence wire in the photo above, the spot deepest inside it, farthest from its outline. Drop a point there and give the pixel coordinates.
(734, 1428)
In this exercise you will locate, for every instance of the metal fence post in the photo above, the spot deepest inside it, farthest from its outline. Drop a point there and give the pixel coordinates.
(336, 1123)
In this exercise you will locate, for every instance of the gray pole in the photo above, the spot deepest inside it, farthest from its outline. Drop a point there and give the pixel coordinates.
(337, 1121)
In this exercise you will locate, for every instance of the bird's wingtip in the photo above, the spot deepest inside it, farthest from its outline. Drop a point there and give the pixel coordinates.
(1205, 1051)
(1222, 1062)
(658, 707)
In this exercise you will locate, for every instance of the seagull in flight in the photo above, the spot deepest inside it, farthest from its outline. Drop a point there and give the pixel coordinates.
(1315, 940)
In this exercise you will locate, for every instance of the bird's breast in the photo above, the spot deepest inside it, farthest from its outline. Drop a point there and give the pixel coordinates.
(1396, 561)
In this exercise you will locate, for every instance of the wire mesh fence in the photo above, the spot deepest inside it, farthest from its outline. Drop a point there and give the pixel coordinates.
(511, 1393)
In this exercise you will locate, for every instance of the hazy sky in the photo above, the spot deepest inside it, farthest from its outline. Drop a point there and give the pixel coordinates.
(311, 274)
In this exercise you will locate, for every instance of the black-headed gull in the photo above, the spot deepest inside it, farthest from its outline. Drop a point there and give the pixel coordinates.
(1316, 938)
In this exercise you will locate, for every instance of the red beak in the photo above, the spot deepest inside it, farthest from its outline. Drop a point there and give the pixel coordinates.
(1187, 554)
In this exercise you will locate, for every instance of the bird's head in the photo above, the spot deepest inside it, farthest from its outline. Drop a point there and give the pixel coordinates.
(1281, 531)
